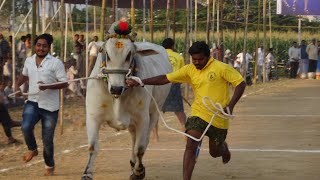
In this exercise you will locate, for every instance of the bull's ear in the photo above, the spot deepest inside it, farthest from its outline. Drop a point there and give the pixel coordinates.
(147, 52)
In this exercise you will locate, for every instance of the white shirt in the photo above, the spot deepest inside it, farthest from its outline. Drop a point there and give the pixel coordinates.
(269, 58)
(312, 51)
(294, 53)
(50, 70)
(93, 48)
(240, 60)
(260, 57)
(7, 69)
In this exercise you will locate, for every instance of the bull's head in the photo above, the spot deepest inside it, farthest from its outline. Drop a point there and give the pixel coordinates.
(119, 50)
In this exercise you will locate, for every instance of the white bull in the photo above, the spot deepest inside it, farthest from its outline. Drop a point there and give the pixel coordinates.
(121, 107)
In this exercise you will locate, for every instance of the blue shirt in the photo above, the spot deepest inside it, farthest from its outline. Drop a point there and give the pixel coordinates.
(304, 54)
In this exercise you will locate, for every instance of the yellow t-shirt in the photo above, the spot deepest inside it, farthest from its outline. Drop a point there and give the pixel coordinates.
(212, 81)
(176, 60)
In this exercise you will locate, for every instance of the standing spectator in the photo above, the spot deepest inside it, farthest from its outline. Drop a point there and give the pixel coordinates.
(5, 119)
(21, 51)
(312, 50)
(72, 72)
(7, 69)
(28, 45)
(294, 57)
(260, 63)
(208, 77)
(77, 54)
(217, 53)
(269, 63)
(239, 61)
(7, 91)
(44, 105)
(304, 62)
(93, 49)
(4, 50)
(174, 99)
(228, 57)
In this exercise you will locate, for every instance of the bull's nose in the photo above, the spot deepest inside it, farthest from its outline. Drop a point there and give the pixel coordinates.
(116, 90)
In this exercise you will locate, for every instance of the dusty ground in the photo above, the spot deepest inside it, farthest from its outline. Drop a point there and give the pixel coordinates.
(274, 136)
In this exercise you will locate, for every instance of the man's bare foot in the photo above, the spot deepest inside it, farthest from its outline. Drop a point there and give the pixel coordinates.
(29, 155)
(226, 156)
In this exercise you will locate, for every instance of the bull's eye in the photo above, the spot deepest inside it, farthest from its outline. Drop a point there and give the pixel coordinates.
(128, 57)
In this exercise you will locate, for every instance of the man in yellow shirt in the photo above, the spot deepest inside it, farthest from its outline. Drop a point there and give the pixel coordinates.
(174, 102)
(207, 77)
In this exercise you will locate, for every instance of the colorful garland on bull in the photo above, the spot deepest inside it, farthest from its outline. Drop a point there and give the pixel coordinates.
(122, 30)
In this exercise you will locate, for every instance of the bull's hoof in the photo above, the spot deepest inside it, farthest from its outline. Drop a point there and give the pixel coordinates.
(142, 174)
(86, 177)
(135, 177)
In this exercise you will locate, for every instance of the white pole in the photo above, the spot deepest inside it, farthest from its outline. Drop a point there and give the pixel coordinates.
(95, 20)
(144, 20)
(52, 18)
(213, 16)
(195, 19)
(66, 34)
(2, 4)
(13, 44)
(116, 9)
(24, 20)
(299, 30)
(43, 10)
(87, 39)
(218, 21)
(270, 27)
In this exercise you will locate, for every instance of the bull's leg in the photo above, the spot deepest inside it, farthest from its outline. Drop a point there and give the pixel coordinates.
(141, 142)
(93, 137)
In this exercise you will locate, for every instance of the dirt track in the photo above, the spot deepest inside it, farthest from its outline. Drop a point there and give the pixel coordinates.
(274, 136)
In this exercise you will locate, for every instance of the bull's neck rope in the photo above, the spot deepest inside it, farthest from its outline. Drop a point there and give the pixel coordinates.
(217, 111)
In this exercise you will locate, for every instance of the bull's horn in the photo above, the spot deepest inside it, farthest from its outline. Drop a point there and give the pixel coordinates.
(133, 36)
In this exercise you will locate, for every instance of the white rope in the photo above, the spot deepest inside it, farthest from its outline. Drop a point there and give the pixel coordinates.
(217, 106)
(12, 95)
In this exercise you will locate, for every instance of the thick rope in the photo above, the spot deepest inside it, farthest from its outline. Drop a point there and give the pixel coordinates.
(99, 76)
(217, 106)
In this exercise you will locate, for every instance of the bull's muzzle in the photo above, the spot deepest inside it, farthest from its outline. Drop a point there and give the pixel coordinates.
(117, 90)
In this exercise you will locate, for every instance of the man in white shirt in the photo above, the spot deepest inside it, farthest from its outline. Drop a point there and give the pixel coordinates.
(93, 49)
(312, 51)
(294, 57)
(260, 62)
(239, 61)
(44, 104)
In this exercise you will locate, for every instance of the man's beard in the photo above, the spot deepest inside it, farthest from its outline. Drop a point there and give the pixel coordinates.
(42, 56)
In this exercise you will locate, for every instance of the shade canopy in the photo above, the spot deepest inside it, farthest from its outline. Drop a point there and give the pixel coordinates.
(138, 4)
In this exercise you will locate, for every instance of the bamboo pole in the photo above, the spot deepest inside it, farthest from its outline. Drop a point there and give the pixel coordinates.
(195, 19)
(213, 18)
(102, 20)
(51, 8)
(244, 62)
(221, 28)
(235, 28)
(167, 19)
(94, 20)
(87, 39)
(62, 44)
(34, 23)
(208, 23)
(113, 4)
(270, 27)
(174, 20)
(43, 12)
(218, 21)
(13, 43)
(257, 44)
(133, 18)
(144, 21)
(264, 38)
(151, 20)
(186, 42)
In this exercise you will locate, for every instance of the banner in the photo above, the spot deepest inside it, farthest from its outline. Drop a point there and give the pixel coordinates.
(298, 7)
